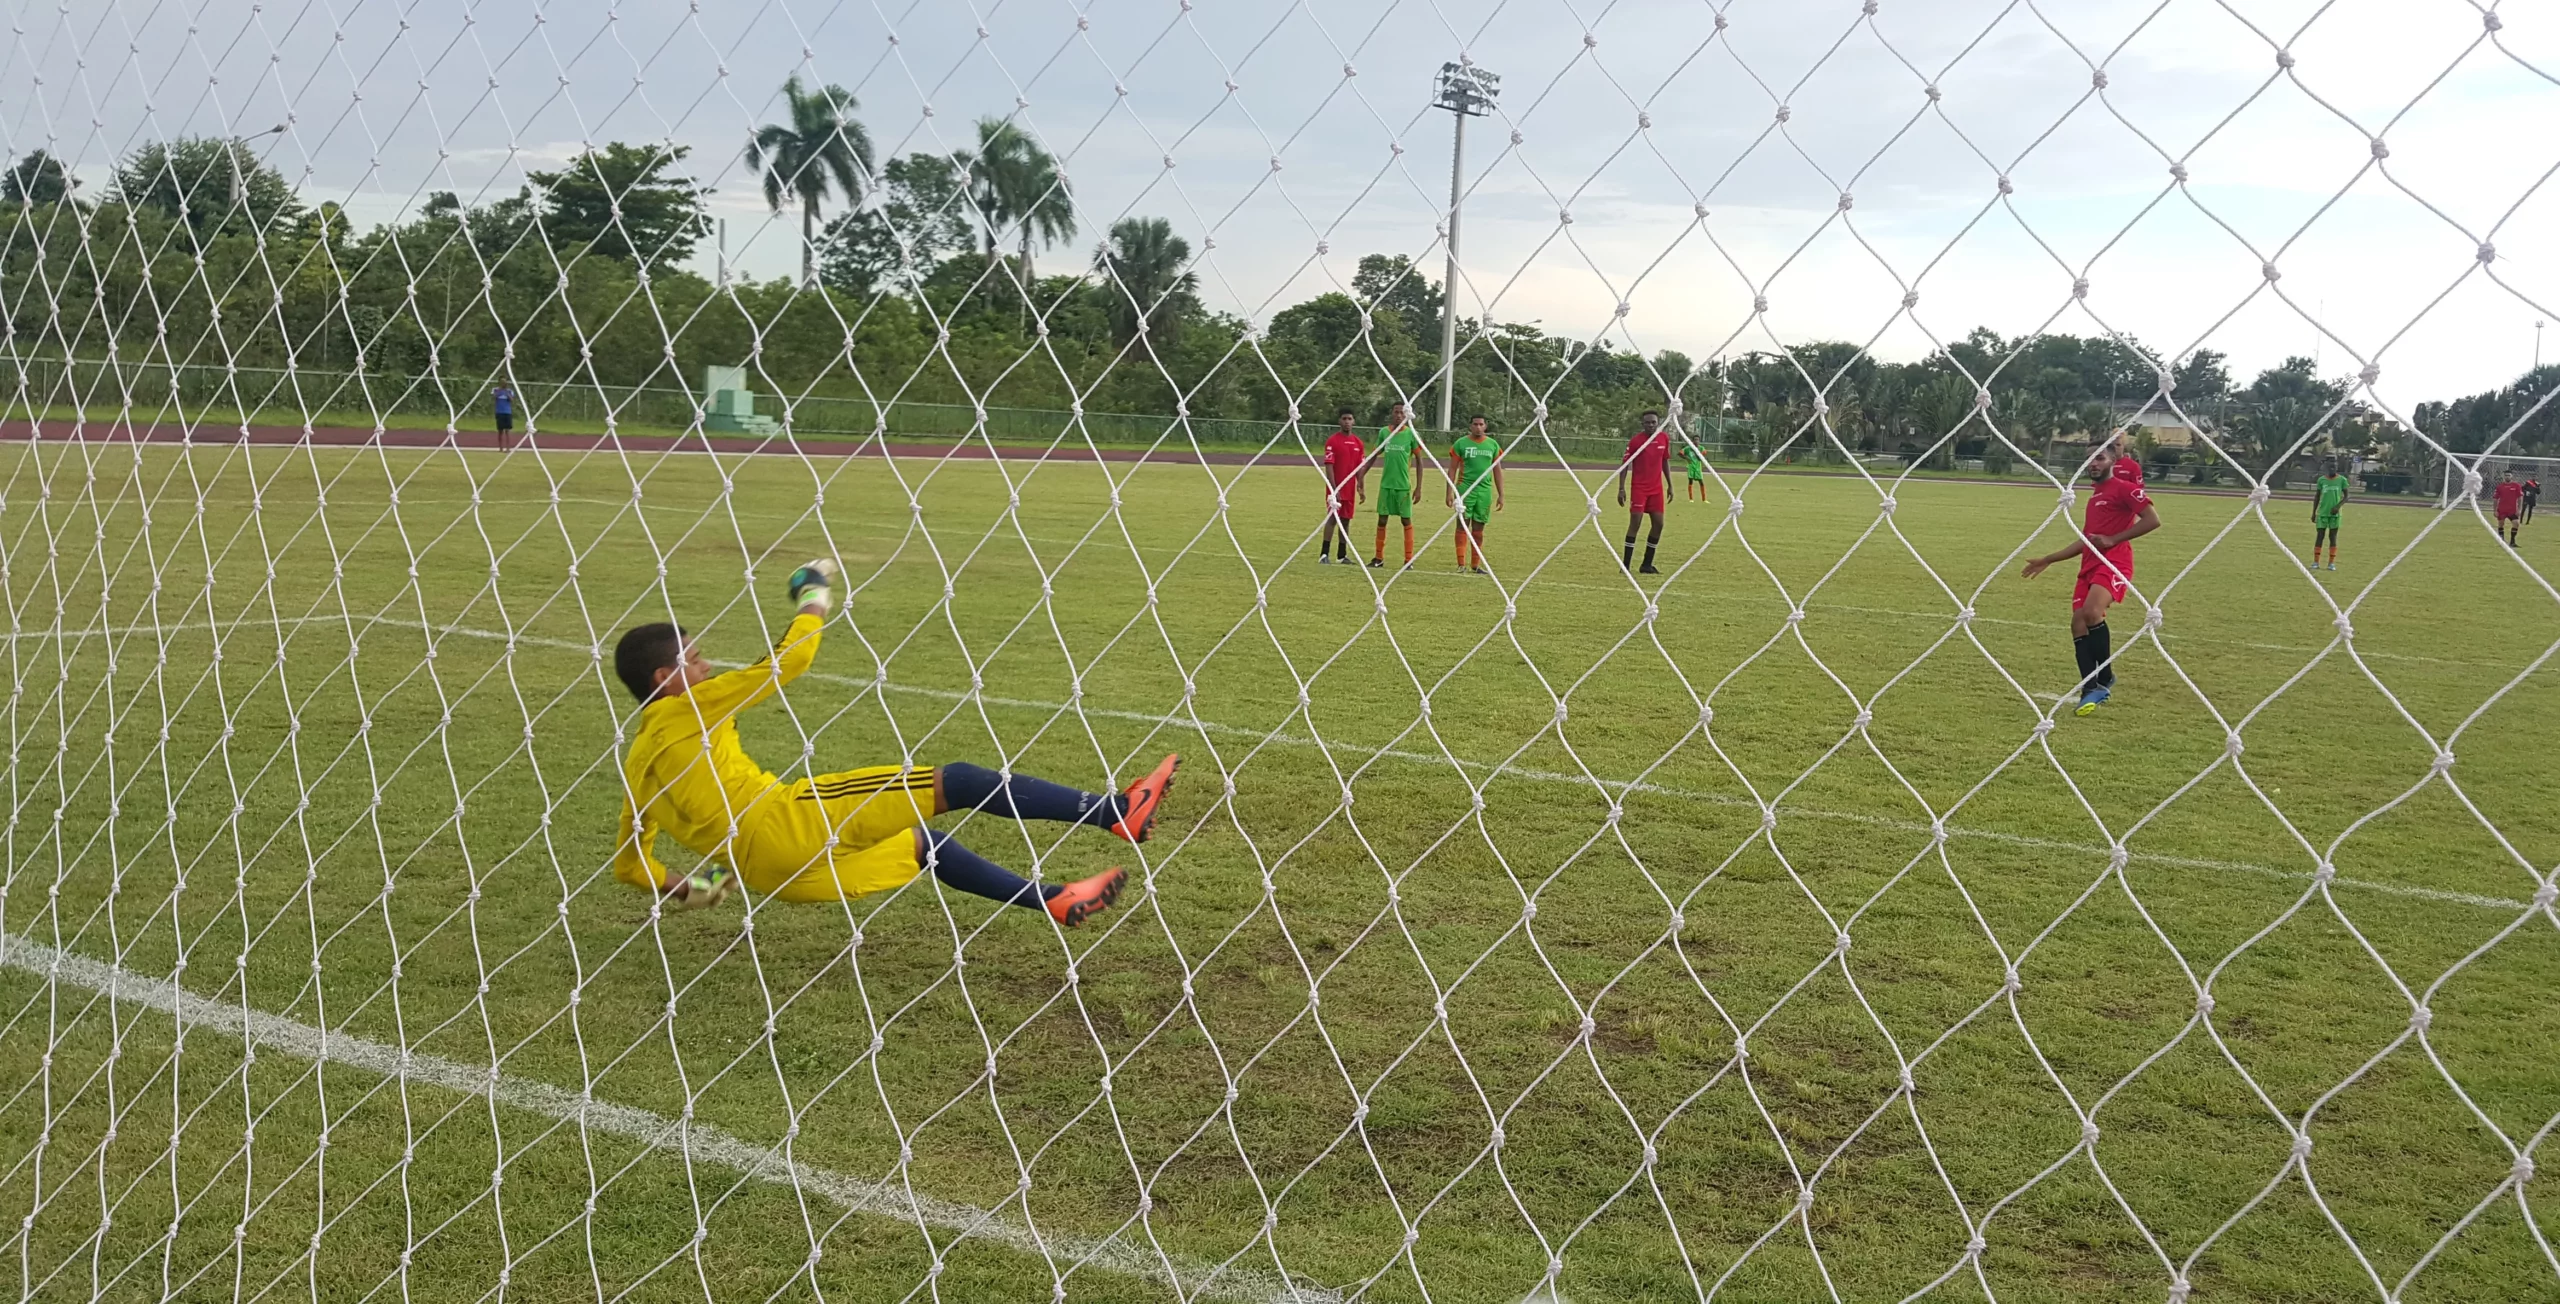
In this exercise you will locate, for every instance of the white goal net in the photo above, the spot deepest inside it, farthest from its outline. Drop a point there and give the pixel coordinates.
(1725, 863)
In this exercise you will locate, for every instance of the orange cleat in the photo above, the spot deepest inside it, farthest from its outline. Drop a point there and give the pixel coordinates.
(1144, 796)
(1085, 898)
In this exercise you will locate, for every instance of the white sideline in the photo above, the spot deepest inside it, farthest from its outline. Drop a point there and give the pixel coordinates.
(700, 1142)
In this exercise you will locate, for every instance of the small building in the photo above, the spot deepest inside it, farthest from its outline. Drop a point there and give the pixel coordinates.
(2164, 426)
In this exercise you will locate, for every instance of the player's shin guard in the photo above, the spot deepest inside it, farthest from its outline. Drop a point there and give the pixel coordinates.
(1021, 797)
(967, 871)
(1408, 543)
(2083, 649)
(1381, 553)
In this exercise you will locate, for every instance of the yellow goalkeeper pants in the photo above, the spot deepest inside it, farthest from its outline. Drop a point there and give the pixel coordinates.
(839, 836)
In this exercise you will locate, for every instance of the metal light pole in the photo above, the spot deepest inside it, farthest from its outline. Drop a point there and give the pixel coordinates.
(236, 168)
(2537, 345)
(1466, 91)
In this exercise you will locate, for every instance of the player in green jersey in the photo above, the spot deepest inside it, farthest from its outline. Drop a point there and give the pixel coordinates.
(2328, 500)
(1697, 460)
(1399, 459)
(1475, 486)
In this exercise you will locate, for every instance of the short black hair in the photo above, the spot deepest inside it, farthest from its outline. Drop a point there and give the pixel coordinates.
(1652, 412)
(1479, 417)
(1347, 412)
(645, 651)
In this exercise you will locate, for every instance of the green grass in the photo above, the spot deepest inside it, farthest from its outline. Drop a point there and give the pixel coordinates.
(1315, 935)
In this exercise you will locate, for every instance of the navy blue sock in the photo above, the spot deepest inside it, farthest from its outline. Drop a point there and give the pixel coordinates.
(974, 787)
(958, 867)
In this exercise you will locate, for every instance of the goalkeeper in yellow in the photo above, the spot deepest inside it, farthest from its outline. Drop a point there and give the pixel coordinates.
(831, 836)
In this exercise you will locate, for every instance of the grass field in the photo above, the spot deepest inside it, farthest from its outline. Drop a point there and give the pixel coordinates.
(383, 805)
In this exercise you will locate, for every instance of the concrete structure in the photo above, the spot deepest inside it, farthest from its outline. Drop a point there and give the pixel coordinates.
(728, 407)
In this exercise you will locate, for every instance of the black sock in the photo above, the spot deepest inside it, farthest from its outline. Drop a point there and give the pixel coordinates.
(958, 867)
(1648, 554)
(1021, 797)
(2101, 653)
(2080, 645)
(1627, 555)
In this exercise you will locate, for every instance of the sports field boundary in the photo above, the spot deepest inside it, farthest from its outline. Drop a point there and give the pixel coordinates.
(693, 1141)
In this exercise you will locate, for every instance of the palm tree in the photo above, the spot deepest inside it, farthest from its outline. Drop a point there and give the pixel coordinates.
(1014, 182)
(1145, 287)
(822, 149)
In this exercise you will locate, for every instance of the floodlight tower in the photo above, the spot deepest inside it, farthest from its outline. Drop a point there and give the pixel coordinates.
(1466, 91)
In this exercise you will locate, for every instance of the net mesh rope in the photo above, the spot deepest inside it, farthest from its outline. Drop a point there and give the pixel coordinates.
(188, 1053)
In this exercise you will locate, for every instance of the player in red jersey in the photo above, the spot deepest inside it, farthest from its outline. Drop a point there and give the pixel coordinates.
(1344, 457)
(2119, 512)
(2510, 507)
(1644, 488)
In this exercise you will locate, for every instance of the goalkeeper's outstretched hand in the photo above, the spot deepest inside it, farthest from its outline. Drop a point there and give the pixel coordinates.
(813, 585)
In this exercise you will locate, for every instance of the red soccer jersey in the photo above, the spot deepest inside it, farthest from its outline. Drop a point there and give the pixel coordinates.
(1647, 455)
(1342, 456)
(2113, 508)
(2510, 498)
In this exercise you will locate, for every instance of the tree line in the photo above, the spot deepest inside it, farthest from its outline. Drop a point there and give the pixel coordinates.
(920, 277)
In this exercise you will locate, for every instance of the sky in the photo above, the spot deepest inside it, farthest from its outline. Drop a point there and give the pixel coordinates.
(1687, 162)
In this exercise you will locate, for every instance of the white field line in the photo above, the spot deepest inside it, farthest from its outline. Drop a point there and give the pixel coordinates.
(700, 1142)
(1529, 773)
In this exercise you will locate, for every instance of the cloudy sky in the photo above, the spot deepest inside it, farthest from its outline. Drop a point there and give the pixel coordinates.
(1297, 137)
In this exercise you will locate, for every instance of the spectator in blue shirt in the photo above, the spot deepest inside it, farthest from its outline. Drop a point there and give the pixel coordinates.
(503, 400)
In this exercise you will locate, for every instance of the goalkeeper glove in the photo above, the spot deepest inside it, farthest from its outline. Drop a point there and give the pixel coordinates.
(707, 886)
(814, 583)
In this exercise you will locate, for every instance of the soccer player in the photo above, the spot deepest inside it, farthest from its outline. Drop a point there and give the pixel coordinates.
(1475, 488)
(2510, 506)
(1697, 460)
(1399, 459)
(502, 403)
(1347, 479)
(2532, 495)
(2328, 500)
(829, 837)
(1646, 473)
(2119, 512)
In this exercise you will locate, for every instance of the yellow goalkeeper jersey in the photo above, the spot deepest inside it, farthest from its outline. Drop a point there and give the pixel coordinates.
(686, 775)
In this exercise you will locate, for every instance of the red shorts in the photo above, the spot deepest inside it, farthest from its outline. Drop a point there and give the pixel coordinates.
(2099, 573)
(2515, 515)
(2097, 579)
(1645, 499)
(1343, 498)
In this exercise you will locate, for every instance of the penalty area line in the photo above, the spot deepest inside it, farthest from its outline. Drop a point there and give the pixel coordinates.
(697, 1141)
